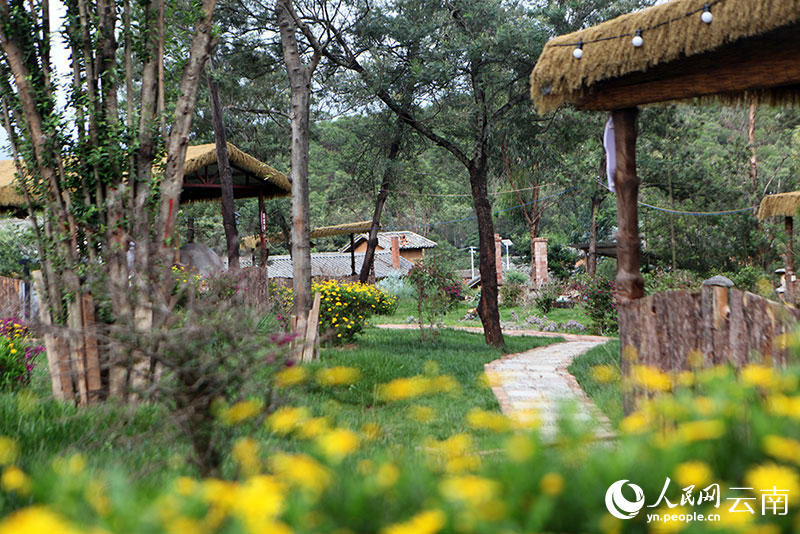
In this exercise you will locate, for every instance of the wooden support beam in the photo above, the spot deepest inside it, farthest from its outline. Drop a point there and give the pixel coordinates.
(352, 256)
(629, 281)
(789, 295)
(762, 62)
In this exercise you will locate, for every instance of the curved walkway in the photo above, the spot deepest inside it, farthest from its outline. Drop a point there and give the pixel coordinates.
(538, 382)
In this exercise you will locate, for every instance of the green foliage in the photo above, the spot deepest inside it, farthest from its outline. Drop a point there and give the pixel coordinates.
(605, 394)
(662, 280)
(18, 252)
(396, 285)
(437, 291)
(599, 303)
(545, 297)
(513, 288)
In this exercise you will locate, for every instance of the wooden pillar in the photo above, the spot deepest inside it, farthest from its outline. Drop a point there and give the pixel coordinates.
(629, 281)
(190, 230)
(789, 295)
(352, 255)
(262, 218)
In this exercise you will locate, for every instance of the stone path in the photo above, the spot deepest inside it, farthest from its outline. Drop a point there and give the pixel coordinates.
(538, 381)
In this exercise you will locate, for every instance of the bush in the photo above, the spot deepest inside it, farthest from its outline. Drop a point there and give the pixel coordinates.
(546, 296)
(659, 281)
(396, 285)
(17, 354)
(345, 307)
(600, 305)
(436, 290)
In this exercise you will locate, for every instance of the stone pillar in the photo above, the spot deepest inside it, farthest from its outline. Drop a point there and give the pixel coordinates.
(498, 257)
(540, 252)
(395, 253)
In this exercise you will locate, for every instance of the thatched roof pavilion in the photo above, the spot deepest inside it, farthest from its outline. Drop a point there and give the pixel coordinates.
(251, 177)
(253, 241)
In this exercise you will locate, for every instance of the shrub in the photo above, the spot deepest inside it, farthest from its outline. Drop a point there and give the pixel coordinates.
(546, 296)
(660, 280)
(17, 354)
(599, 302)
(396, 285)
(513, 288)
(436, 290)
(345, 307)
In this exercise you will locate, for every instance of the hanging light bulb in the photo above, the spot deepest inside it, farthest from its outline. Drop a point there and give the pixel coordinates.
(578, 52)
(637, 39)
(707, 17)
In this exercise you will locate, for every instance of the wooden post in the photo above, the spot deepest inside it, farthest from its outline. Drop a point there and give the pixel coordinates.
(311, 335)
(789, 295)
(352, 255)
(57, 359)
(93, 383)
(629, 281)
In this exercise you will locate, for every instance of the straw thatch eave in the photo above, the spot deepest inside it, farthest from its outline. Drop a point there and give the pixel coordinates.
(670, 39)
(781, 204)
(253, 241)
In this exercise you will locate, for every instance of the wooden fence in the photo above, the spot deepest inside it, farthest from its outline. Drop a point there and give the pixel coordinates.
(10, 300)
(721, 324)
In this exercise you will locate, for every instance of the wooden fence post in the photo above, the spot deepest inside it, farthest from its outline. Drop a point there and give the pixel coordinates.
(57, 359)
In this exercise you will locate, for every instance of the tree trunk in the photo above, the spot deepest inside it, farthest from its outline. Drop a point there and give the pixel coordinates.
(591, 258)
(225, 177)
(300, 84)
(386, 183)
(487, 306)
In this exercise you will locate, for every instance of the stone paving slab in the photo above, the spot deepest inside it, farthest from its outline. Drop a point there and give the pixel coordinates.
(538, 380)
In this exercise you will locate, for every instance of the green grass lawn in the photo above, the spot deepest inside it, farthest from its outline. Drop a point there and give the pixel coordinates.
(606, 396)
(408, 307)
(142, 440)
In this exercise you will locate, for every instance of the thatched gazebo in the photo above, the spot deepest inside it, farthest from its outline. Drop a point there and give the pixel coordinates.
(683, 50)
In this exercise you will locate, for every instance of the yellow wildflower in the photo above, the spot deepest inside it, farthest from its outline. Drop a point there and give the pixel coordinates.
(245, 453)
(485, 420)
(240, 411)
(287, 419)
(186, 486)
(97, 496)
(76, 463)
(635, 423)
(650, 378)
(9, 450)
(302, 471)
(258, 502)
(604, 373)
(291, 376)
(371, 431)
(403, 388)
(693, 473)
(685, 379)
(701, 430)
(365, 467)
(782, 448)
(311, 428)
(469, 489)
(13, 479)
(758, 375)
(338, 376)
(429, 522)
(387, 475)
(771, 475)
(519, 448)
(552, 484)
(338, 443)
(36, 520)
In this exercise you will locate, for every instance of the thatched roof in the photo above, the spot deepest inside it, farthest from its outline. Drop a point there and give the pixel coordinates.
(677, 40)
(250, 176)
(9, 198)
(785, 204)
(253, 241)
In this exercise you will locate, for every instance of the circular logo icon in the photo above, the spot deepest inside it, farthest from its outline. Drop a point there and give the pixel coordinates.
(619, 506)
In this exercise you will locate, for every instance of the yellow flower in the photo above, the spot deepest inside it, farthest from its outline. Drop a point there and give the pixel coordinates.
(685, 379)
(338, 443)
(758, 375)
(694, 473)
(770, 475)
(403, 388)
(313, 427)
(302, 471)
(650, 378)
(258, 502)
(782, 448)
(469, 489)
(76, 463)
(13, 479)
(9, 450)
(604, 373)
(338, 376)
(552, 484)
(245, 453)
(240, 411)
(485, 420)
(186, 486)
(519, 448)
(455, 453)
(287, 419)
(635, 423)
(421, 414)
(429, 522)
(36, 520)
(701, 430)
(387, 475)
(291, 376)
(97, 495)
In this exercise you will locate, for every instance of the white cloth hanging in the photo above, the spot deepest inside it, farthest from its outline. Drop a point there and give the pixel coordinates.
(611, 154)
